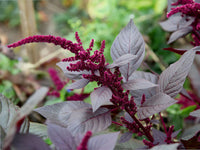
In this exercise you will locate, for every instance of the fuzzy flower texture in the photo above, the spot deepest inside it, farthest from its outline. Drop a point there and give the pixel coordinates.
(95, 66)
(189, 8)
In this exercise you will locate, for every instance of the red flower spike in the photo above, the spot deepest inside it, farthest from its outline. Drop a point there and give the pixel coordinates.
(187, 9)
(182, 2)
(56, 79)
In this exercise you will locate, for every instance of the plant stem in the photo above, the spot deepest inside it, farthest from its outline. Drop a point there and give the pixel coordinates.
(146, 133)
(119, 124)
(163, 123)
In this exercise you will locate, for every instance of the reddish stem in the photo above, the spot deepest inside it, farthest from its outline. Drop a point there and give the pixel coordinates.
(163, 123)
(119, 124)
(147, 133)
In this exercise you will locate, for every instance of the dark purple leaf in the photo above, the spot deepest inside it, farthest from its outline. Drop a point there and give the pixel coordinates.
(137, 94)
(78, 84)
(159, 137)
(176, 22)
(125, 137)
(138, 84)
(174, 134)
(61, 137)
(194, 76)
(190, 132)
(195, 113)
(101, 96)
(192, 143)
(60, 113)
(103, 142)
(156, 122)
(144, 75)
(7, 112)
(171, 80)
(128, 117)
(129, 41)
(84, 119)
(20, 115)
(122, 60)
(165, 147)
(77, 116)
(71, 74)
(185, 94)
(155, 104)
(179, 33)
(28, 142)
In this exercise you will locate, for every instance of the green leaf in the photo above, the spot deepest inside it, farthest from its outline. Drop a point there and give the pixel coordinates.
(90, 87)
(48, 141)
(186, 111)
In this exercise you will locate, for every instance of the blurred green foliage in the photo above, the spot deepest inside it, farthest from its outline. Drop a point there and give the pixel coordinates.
(177, 115)
(8, 64)
(103, 20)
(6, 87)
(9, 12)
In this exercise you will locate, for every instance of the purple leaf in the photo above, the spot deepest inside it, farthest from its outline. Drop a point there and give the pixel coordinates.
(174, 134)
(171, 80)
(129, 41)
(165, 147)
(60, 113)
(137, 94)
(128, 117)
(36, 98)
(122, 60)
(194, 76)
(101, 96)
(9, 115)
(85, 119)
(125, 137)
(78, 84)
(77, 116)
(155, 104)
(138, 84)
(195, 113)
(7, 112)
(197, 1)
(190, 132)
(176, 22)
(28, 142)
(185, 94)
(71, 74)
(61, 137)
(103, 142)
(144, 75)
(159, 137)
(179, 33)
